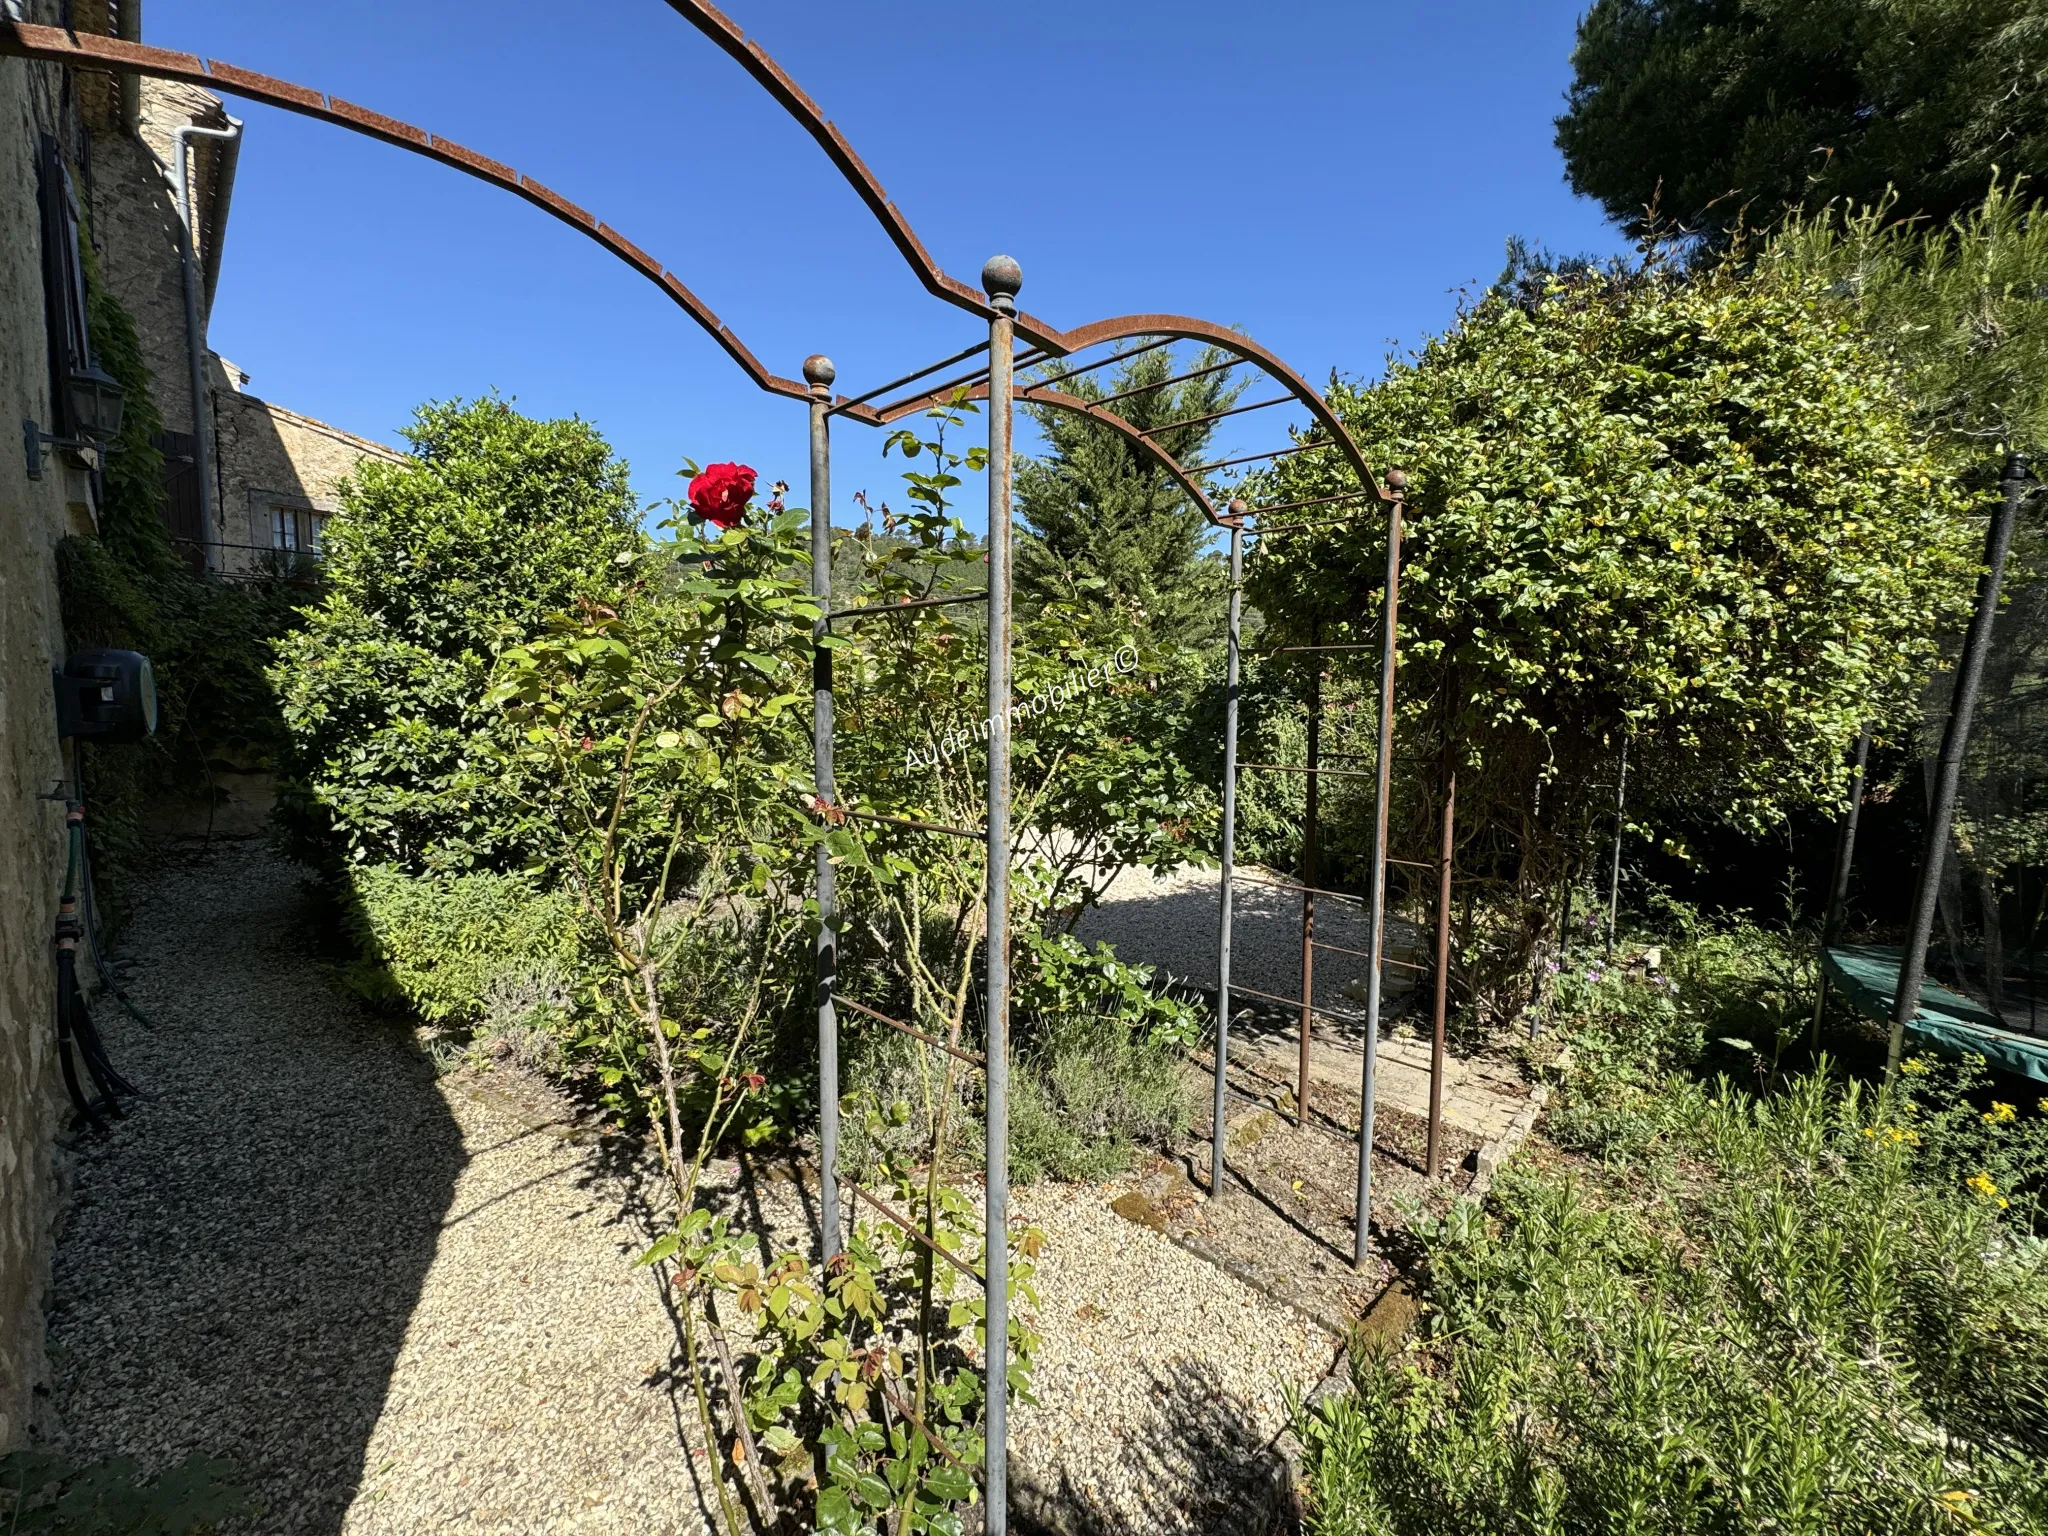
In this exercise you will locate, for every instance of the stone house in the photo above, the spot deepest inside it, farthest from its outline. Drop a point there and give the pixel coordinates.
(87, 159)
(245, 477)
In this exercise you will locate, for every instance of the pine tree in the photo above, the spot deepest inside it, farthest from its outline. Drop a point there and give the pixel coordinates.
(1104, 526)
(1719, 112)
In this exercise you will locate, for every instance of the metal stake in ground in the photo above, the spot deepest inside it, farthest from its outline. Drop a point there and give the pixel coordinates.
(819, 373)
(1219, 1119)
(1390, 621)
(1838, 888)
(1948, 767)
(1443, 968)
(1000, 279)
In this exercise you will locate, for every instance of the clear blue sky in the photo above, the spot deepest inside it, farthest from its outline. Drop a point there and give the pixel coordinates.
(1324, 174)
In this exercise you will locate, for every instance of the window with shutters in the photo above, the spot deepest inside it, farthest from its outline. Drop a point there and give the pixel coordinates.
(297, 528)
(64, 302)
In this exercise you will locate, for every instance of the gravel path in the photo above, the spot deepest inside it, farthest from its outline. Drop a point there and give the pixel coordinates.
(398, 1304)
(404, 1304)
(1169, 921)
(1160, 1382)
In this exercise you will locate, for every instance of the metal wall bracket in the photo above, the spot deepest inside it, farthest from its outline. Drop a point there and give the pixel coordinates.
(86, 455)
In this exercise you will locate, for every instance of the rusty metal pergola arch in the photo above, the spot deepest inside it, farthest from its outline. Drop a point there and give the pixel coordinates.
(1054, 354)
(88, 50)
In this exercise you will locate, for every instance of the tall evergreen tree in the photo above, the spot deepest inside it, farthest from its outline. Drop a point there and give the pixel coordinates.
(1103, 525)
(1719, 110)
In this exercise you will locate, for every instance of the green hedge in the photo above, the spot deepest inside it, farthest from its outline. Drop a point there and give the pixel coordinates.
(454, 948)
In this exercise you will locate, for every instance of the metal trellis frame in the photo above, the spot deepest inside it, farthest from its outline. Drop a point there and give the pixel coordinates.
(1059, 358)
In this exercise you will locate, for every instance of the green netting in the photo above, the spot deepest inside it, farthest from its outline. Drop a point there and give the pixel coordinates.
(1995, 878)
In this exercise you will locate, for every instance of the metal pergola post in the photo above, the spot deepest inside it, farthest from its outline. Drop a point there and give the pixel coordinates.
(1230, 691)
(1441, 1016)
(1001, 278)
(1955, 737)
(1389, 629)
(819, 373)
(1309, 871)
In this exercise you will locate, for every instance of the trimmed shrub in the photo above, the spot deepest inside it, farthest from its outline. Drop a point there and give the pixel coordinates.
(483, 950)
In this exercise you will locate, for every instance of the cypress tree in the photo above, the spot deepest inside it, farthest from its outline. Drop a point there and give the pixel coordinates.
(1104, 526)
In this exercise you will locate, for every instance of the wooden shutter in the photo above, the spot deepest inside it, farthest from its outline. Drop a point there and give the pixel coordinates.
(64, 303)
(184, 512)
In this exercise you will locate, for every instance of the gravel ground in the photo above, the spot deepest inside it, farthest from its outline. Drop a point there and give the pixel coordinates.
(404, 1304)
(397, 1303)
(1169, 921)
(1160, 1382)
(1159, 1378)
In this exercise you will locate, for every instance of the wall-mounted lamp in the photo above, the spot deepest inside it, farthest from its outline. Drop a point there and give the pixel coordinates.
(96, 405)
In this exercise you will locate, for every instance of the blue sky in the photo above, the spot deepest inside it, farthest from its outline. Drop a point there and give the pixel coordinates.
(1324, 174)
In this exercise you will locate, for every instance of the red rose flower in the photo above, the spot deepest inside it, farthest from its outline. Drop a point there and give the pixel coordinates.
(721, 493)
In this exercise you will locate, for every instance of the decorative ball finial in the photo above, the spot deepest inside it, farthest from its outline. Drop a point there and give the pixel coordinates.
(1237, 507)
(818, 371)
(1001, 277)
(1397, 480)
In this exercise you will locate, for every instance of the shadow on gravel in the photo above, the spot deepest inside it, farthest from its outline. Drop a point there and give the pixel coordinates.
(242, 1254)
(1195, 1457)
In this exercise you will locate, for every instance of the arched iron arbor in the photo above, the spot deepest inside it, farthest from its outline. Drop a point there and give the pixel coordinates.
(1015, 340)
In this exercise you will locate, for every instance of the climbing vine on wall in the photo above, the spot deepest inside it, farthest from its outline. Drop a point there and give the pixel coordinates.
(208, 640)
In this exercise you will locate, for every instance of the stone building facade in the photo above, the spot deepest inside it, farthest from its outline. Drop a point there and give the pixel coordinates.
(34, 516)
(278, 470)
(247, 478)
(244, 477)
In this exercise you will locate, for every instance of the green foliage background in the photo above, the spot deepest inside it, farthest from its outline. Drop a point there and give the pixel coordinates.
(1722, 112)
(1105, 528)
(438, 945)
(1692, 514)
(1959, 309)
(432, 566)
(1762, 1303)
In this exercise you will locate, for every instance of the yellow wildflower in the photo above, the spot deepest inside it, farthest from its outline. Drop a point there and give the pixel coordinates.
(1914, 1066)
(1982, 1184)
(1999, 1113)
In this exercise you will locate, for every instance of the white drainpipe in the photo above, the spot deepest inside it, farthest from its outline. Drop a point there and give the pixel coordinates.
(199, 302)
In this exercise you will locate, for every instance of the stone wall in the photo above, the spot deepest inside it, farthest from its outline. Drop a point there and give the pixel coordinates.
(265, 459)
(34, 516)
(275, 462)
(135, 230)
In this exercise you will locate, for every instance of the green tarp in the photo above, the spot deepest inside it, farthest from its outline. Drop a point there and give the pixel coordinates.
(1867, 975)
